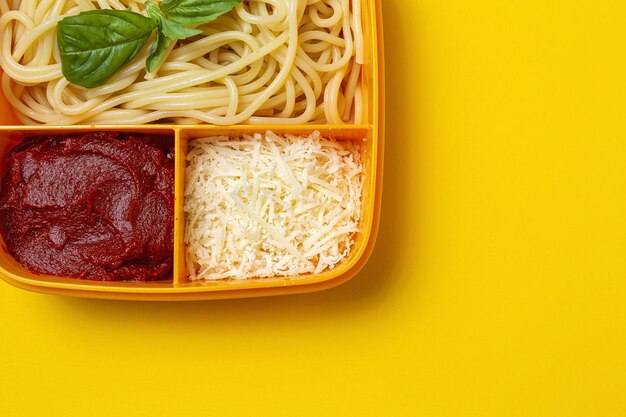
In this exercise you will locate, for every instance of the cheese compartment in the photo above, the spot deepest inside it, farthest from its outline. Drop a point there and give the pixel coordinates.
(77, 236)
(361, 136)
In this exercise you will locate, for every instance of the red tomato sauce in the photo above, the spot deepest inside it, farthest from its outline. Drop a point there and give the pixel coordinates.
(97, 206)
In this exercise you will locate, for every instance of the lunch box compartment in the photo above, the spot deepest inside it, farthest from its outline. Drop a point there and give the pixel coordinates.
(361, 135)
(13, 269)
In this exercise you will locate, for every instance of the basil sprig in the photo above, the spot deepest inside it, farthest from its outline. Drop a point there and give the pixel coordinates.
(194, 12)
(96, 44)
(167, 31)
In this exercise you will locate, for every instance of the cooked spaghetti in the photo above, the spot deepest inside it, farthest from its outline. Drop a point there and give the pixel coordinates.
(266, 61)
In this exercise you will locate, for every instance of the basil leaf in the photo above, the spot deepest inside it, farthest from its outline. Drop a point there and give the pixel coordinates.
(95, 44)
(192, 12)
(175, 31)
(153, 10)
(170, 29)
(157, 51)
(167, 31)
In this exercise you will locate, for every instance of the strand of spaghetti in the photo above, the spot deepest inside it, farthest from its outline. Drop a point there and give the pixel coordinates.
(170, 82)
(29, 75)
(310, 102)
(43, 8)
(26, 7)
(321, 39)
(55, 96)
(198, 48)
(249, 77)
(300, 63)
(15, 101)
(233, 103)
(290, 99)
(146, 99)
(358, 105)
(27, 41)
(280, 13)
(308, 112)
(357, 30)
(353, 79)
(85, 4)
(334, 18)
(347, 55)
(215, 97)
(331, 97)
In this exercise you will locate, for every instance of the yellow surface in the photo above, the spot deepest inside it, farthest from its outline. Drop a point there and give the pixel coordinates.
(498, 285)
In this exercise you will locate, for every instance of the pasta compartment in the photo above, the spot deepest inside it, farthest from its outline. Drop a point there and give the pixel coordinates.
(264, 62)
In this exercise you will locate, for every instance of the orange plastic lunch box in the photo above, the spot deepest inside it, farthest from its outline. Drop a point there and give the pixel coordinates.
(178, 286)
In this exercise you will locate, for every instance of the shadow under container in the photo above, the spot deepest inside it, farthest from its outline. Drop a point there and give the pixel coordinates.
(178, 286)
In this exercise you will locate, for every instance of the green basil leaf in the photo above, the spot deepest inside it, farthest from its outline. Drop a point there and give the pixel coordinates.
(157, 51)
(170, 29)
(167, 32)
(168, 4)
(175, 31)
(95, 44)
(193, 12)
(153, 10)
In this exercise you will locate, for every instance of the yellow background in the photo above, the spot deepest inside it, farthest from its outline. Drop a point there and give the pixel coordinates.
(498, 284)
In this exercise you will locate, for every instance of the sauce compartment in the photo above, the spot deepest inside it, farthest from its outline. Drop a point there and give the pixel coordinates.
(13, 270)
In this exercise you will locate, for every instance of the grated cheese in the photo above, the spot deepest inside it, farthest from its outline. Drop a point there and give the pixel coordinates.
(269, 205)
